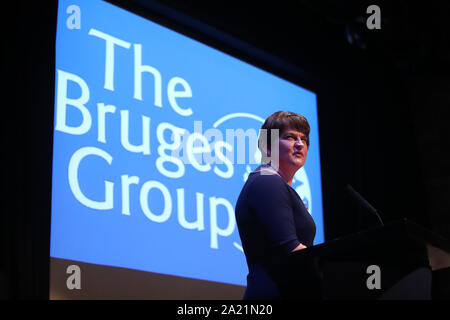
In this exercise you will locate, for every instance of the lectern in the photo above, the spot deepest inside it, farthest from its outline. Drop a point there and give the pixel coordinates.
(400, 260)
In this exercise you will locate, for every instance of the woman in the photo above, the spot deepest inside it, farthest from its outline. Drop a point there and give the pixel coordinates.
(271, 218)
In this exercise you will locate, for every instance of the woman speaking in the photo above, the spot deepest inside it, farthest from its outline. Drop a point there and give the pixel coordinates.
(272, 219)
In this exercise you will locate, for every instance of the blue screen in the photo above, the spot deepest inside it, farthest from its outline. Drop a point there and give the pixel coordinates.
(154, 136)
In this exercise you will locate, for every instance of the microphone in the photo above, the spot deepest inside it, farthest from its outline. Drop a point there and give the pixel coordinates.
(364, 202)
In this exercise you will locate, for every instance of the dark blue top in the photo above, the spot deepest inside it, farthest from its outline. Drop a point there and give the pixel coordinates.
(272, 220)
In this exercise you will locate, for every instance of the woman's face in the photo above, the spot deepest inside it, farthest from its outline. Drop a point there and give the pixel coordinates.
(292, 150)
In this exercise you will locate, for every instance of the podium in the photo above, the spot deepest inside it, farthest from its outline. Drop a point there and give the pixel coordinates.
(400, 260)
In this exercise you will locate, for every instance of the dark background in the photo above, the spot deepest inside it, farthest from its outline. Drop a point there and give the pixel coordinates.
(383, 98)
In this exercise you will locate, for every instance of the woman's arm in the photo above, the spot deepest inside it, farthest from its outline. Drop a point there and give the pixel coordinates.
(270, 199)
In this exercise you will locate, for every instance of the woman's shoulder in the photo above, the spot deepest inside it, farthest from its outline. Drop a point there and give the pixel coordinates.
(262, 188)
(266, 179)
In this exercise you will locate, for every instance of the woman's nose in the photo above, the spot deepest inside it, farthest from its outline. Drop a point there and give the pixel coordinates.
(299, 143)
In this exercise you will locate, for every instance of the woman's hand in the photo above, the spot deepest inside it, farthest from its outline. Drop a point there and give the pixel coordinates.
(299, 247)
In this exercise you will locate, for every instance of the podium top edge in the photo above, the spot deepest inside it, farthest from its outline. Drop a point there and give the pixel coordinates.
(395, 233)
